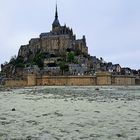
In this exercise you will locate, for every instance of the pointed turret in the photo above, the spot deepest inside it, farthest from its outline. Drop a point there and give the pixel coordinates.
(56, 13)
(56, 21)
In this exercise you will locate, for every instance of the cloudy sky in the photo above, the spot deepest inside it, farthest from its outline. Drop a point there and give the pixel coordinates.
(112, 27)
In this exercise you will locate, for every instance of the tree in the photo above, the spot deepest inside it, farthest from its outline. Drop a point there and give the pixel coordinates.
(70, 57)
(20, 65)
(13, 60)
(38, 59)
(63, 67)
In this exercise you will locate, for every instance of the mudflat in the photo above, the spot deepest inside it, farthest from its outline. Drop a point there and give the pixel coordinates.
(70, 113)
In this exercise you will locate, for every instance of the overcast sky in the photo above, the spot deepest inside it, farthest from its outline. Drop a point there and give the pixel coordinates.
(112, 27)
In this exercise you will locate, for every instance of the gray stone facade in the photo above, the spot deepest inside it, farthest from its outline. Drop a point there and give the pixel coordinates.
(57, 41)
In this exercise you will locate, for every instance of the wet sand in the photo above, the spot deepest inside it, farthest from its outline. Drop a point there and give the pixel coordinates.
(70, 113)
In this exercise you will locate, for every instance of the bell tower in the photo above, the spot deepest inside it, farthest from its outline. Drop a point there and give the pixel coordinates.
(56, 23)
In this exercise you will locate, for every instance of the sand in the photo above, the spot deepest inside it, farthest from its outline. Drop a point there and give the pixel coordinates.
(70, 113)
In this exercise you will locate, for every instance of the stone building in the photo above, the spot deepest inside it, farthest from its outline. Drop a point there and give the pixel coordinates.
(59, 53)
(57, 41)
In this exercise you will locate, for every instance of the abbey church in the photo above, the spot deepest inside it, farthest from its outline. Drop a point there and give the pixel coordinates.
(57, 41)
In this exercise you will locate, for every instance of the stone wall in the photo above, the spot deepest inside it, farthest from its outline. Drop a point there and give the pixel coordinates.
(103, 78)
(31, 80)
(99, 79)
(15, 83)
(123, 80)
(68, 80)
(56, 44)
(137, 81)
(39, 81)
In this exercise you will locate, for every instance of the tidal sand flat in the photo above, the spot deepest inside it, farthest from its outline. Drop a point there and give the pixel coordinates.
(70, 113)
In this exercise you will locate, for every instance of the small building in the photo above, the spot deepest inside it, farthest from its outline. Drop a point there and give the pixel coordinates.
(77, 69)
(116, 69)
(32, 70)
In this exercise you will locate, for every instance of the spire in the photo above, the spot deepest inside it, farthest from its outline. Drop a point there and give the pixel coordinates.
(56, 20)
(56, 13)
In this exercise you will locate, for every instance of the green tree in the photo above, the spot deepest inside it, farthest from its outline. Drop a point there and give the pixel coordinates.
(20, 59)
(70, 57)
(63, 67)
(38, 59)
(20, 65)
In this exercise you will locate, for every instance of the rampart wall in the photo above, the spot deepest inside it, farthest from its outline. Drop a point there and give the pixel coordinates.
(15, 83)
(123, 80)
(68, 80)
(137, 81)
(99, 79)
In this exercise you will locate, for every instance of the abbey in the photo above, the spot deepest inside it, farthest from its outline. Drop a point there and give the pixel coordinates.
(57, 42)
(59, 58)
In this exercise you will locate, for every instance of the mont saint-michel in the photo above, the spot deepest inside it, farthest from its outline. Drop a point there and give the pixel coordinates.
(57, 57)
(55, 90)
